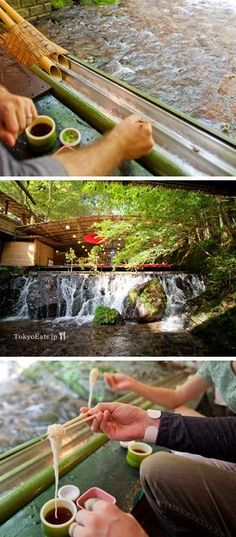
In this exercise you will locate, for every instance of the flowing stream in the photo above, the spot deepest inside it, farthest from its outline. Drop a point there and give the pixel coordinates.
(179, 51)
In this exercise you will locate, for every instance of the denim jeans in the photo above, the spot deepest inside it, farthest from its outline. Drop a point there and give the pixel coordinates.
(188, 497)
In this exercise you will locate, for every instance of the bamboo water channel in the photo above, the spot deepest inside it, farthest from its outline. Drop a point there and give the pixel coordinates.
(183, 147)
(27, 469)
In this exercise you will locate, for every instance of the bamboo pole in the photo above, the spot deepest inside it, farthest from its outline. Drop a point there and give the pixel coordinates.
(6, 19)
(11, 12)
(61, 59)
(49, 67)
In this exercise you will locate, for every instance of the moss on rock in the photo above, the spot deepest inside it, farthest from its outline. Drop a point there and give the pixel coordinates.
(147, 302)
(105, 315)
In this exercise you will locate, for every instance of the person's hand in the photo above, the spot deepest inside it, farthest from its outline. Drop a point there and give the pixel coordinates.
(16, 113)
(134, 137)
(105, 520)
(118, 381)
(119, 421)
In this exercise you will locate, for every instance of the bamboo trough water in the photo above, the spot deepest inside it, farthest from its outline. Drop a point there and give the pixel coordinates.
(27, 470)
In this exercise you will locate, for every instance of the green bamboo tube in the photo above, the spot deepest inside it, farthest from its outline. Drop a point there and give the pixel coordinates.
(33, 460)
(156, 161)
(6, 454)
(177, 113)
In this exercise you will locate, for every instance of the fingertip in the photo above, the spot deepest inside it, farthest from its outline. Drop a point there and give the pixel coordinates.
(10, 140)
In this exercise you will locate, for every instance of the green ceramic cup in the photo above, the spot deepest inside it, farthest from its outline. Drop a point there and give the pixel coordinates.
(41, 135)
(137, 451)
(57, 530)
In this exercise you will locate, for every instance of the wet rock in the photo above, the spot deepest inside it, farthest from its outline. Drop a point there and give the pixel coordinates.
(147, 302)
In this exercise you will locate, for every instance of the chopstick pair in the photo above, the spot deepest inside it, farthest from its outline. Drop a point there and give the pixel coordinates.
(79, 419)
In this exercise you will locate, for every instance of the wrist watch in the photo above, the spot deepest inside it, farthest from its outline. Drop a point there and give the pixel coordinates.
(151, 431)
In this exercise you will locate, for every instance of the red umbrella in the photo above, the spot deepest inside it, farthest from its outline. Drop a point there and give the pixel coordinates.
(93, 239)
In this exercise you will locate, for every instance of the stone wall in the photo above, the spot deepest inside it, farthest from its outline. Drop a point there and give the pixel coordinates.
(31, 9)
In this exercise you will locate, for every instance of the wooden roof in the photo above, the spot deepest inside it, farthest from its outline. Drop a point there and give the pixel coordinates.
(8, 204)
(62, 231)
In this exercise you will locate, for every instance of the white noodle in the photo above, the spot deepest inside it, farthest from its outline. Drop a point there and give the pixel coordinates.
(93, 375)
(55, 434)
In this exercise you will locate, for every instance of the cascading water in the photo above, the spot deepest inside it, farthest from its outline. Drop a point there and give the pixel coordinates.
(95, 290)
(21, 306)
(109, 290)
(179, 288)
(75, 296)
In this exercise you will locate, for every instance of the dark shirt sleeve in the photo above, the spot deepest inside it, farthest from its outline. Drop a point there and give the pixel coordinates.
(37, 167)
(210, 437)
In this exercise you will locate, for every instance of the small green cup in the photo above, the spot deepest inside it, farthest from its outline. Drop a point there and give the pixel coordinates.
(137, 451)
(41, 135)
(57, 530)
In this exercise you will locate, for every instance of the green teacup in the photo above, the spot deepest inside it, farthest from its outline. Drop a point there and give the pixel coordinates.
(61, 529)
(137, 451)
(41, 134)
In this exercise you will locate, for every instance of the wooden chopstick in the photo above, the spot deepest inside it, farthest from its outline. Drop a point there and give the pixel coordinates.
(78, 419)
(87, 418)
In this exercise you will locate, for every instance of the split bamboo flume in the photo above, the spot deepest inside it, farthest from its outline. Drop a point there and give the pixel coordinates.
(27, 470)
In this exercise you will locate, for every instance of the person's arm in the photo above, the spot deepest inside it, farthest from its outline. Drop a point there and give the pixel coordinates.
(37, 167)
(209, 437)
(167, 397)
(105, 520)
(130, 139)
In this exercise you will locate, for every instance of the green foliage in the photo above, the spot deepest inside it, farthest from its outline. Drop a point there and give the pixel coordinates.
(57, 4)
(93, 256)
(70, 257)
(193, 231)
(82, 262)
(105, 315)
(222, 273)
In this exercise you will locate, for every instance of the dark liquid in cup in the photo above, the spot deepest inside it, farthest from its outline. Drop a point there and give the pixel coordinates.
(41, 129)
(63, 515)
(139, 451)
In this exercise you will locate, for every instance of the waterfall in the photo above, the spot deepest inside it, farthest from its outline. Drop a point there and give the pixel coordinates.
(62, 296)
(21, 306)
(68, 286)
(109, 290)
(179, 288)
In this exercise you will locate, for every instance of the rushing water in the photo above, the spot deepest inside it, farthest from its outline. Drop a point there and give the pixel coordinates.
(75, 296)
(180, 51)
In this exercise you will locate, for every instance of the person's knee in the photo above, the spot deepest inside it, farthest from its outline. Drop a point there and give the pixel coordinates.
(153, 470)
